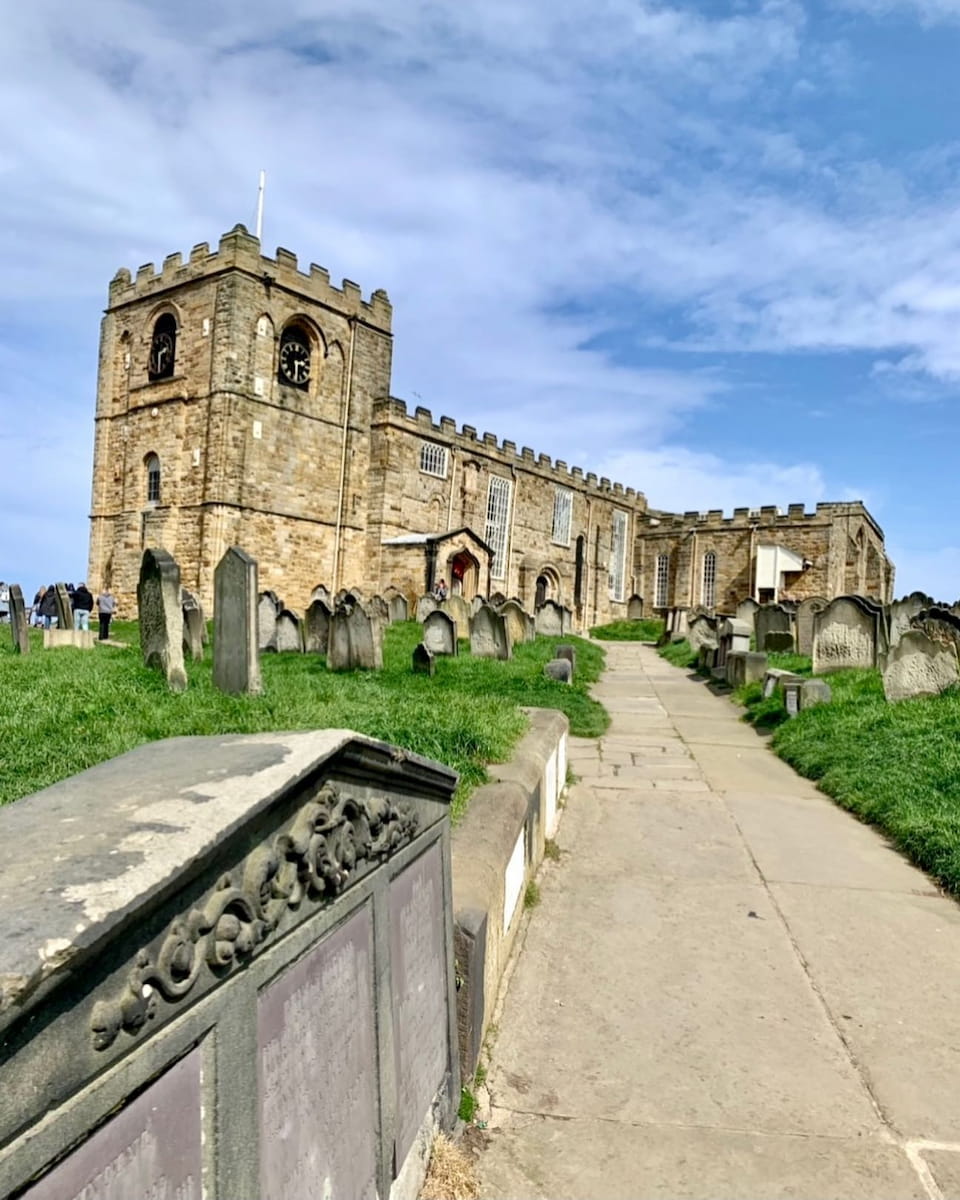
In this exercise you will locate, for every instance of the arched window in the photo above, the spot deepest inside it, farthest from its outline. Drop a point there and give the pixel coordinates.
(662, 589)
(152, 465)
(708, 592)
(163, 347)
(293, 364)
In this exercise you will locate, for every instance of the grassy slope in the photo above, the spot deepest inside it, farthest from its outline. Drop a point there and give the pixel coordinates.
(628, 631)
(66, 710)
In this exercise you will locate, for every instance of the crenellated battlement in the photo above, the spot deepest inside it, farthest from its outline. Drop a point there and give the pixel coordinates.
(240, 250)
(393, 411)
(765, 516)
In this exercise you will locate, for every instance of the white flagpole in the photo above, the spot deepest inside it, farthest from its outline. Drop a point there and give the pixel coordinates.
(263, 180)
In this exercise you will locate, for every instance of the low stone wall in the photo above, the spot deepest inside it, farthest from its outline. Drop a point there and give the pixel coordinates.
(226, 970)
(497, 849)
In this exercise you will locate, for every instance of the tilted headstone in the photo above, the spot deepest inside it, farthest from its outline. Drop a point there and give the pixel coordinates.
(902, 612)
(814, 692)
(355, 641)
(776, 678)
(635, 608)
(426, 604)
(702, 631)
(707, 657)
(236, 659)
(771, 618)
(489, 636)
(845, 634)
(458, 609)
(353, 595)
(161, 616)
(531, 634)
(919, 666)
(567, 652)
(397, 606)
(475, 604)
(340, 597)
(423, 661)
(732, 636)
(18, 620)
(560, 669)
(193, 625)
(549, 618)
(316, 627)
(289, 631)
(940, 624)
(806, 611)
(440, 633)
(322, 593)
(379, 607)
(267, 621)
(778, 641)
(516, 621)
(64, 607)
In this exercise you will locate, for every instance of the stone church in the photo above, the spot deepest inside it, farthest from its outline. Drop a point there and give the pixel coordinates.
(242, 401)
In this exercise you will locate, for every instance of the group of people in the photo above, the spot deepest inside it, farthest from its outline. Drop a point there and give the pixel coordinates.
(43, 612)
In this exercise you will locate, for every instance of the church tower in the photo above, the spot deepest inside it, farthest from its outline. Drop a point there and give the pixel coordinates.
(234, 405)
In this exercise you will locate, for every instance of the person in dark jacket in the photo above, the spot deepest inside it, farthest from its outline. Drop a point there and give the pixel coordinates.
(82, 604)
(48, 607)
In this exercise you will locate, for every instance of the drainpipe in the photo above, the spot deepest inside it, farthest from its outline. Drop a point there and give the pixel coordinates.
(751, 565)
(586, 570)
(453, 480)
(348, 394)
(693, 566)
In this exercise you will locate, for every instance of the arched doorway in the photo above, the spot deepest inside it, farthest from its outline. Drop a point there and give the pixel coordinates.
(578, 572)
(543, 588)
(463, 571)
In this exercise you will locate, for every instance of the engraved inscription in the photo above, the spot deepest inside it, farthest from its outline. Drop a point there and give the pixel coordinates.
(419, 977)
(317, 1064)
(150, 1150)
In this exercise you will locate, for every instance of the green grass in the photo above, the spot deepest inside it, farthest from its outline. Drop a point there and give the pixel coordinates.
(768, 714)
(67, 709)
(647, 630)
(681, 654)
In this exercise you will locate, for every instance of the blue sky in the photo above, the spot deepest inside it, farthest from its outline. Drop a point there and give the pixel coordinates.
(710, 250)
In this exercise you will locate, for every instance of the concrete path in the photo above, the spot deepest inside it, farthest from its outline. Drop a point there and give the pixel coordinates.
(731, 988)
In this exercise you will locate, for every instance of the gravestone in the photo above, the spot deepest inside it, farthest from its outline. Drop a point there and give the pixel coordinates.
(317, 627)
(806, 611)
(289, 631)
(919, 666)
(702, 631)
(193, 625)
(635, 608)
(567, 652)
(745, 666)
(566, 621)
(340, 597)
(732, 637)
(440, 633)
(423, 662)
(549, 619)
(355, 641)
(771, 618)
(78, 639)
(161, 616)
(845, 635)
(322, 593)
(497, 599)
(814, 692)
(475, 604)
(398, 607)
(531, 634)
(426, 605)
(516, 622)
(64, 607)
(458, 610)
(267, 610)
(560, 669)
(940, 624)
(778, 641)
(776, 678)
(489, 636)
(747, 610)
(18, 620)
(236, 660)
(903, 611)
(380, 609)
(791, 696)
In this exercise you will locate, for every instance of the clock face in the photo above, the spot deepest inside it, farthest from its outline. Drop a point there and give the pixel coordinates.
(295, 363)
(161, 354)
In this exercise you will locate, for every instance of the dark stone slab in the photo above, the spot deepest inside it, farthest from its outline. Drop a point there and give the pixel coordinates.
(64, 607)
(568, 652)
(161, 616)
(194, 626)
(151, 1147)
(18, 620)
(316, 629)
(236, 662)
(316, 1040)
(423, 661)
(440, 633)
(778, 641)
(470, 952)
(560, 669)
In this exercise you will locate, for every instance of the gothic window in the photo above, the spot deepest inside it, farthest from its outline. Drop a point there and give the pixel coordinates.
(618, 554)
(152, 465)
(163, 347)
(662, 589)
(433, 459)
(293, 366)
(708, 593)
(498, 512)
(562, 510)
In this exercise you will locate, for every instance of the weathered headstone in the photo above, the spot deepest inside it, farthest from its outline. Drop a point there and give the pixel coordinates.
(475, 604)
(289, 631)
(903, 611)
(161, 616)
(236, 661)
(635, 608)
(845, 634)
(267, 621)
(919, 666)
(702, 631)
(64, 607)
(320, 592)
(747, 610)
(791, 696)
(516, 621)
(567, 652)
(560, 669)
(497, 599)
(732, 637)
(426, 605)
(776, 679)
(489, 636)
(423, 663)
(566, 621)
(440, 633)
(549, 618)
(745, 666)
(778, 641)
(379, 607)
(814, 692)
(458, 609)
(806, 611)
(193, 625)
(940, 624)
(771, 618)
(355, 640)
(317, 627)
(706, 657)
(531, 632)
(18, 620)
(397, 605)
